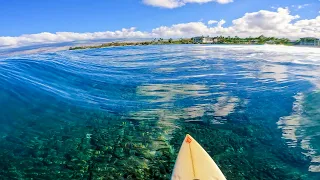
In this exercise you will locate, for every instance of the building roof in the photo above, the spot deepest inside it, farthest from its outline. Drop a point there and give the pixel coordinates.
(204, 37)
(310, 38)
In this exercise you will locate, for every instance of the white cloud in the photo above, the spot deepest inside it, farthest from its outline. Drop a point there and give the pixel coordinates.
(278, 23)
(178, 3)
(182, 30)
(164, 3)
(265, 20)
(212, 22)
(45, 37)
(301, 6)
(221, 22)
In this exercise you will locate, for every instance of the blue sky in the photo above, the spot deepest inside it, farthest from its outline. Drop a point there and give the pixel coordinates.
(55, 21)
(34, 16)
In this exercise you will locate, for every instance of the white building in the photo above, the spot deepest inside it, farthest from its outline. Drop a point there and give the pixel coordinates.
(204, 40)
(309, 41)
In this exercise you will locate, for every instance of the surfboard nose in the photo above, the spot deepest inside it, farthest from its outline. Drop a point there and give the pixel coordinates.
(188, 138)
(194, 163)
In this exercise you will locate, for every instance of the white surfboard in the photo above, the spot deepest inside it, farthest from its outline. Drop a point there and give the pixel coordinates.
(194, 163)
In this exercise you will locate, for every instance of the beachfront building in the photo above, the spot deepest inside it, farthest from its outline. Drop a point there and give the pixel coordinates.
(254, 41)
(309, 41)
(270, 42)
(204, 40)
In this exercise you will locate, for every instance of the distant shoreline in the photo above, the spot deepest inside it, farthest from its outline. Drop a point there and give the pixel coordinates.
(261, 40)
(146, 43)
(138, 43)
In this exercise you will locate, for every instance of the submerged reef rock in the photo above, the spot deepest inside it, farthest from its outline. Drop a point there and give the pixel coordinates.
(104, 147)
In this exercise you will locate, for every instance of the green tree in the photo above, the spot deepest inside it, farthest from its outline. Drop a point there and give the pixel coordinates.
(262, 39)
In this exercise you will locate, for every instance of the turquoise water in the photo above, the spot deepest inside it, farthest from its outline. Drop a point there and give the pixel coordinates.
(122, 112)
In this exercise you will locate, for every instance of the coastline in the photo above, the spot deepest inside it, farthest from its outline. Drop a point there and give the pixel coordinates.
(171, 42)
(135, 43)
(150, 43)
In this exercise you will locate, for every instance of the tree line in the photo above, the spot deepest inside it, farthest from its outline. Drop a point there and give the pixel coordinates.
(217, 40)
(252, 40)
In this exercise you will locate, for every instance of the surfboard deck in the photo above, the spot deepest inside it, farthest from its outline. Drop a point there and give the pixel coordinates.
(194, 163)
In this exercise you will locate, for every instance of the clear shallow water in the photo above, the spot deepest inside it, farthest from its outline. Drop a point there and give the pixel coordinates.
(122, 112)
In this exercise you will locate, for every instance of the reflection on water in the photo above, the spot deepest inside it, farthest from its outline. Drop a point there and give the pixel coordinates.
(275, 71)
(225, 105)
(302, 127)
(163, 98)
(290, 124)
(165, 70)
(169, 93)
(180, 101)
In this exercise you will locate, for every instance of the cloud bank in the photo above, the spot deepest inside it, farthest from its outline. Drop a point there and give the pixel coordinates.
(278, 23)
(178, 3)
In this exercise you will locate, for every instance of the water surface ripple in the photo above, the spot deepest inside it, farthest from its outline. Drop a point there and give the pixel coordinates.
(88, 113)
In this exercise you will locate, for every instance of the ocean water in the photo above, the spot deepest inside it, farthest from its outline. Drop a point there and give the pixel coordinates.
(122, 112)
